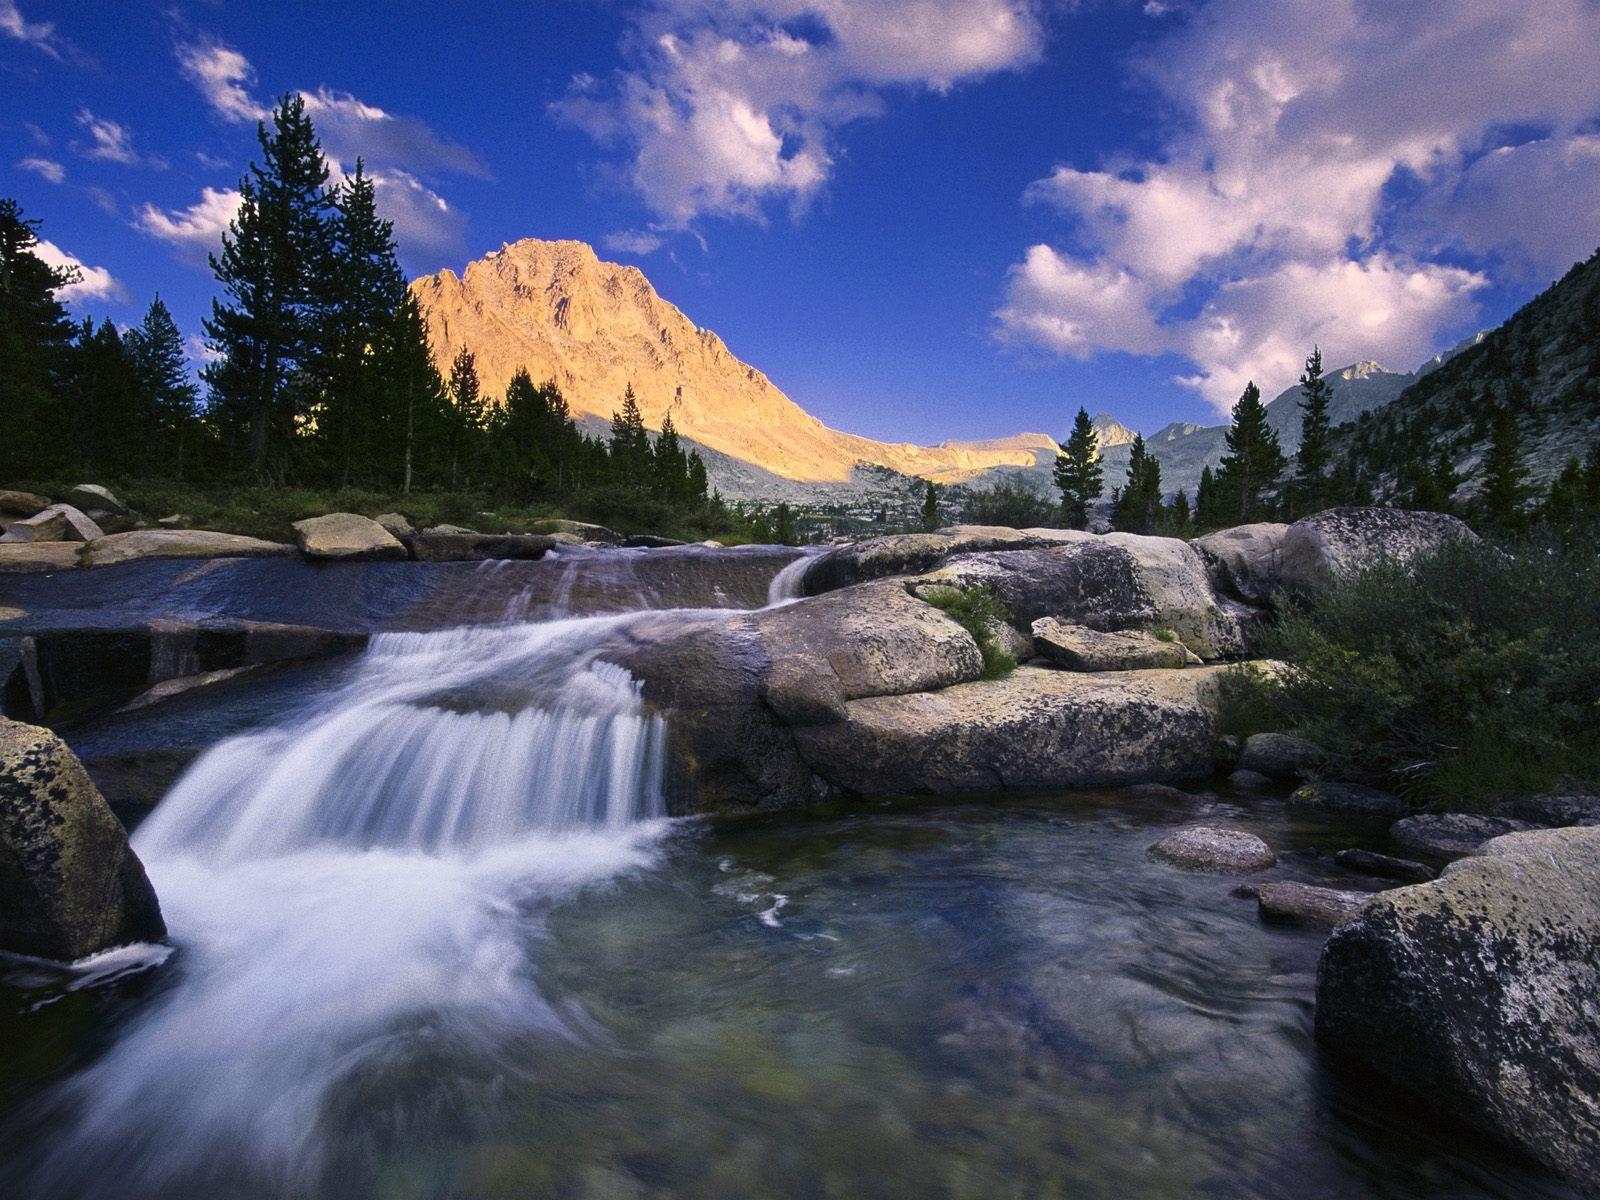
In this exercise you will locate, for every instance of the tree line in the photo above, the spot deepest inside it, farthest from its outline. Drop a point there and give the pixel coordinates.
(320, 372)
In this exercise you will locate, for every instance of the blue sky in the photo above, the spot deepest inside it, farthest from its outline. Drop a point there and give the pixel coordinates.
(922, 218)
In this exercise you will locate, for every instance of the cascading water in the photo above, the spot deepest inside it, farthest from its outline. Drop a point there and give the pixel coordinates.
(361, 883)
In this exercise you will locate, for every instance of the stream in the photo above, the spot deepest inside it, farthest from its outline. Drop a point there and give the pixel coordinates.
(433, 935)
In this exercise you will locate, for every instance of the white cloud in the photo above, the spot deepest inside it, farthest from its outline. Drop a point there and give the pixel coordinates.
(94, 283)
(223, 76)
(196, 349)
(45, 168)
(41, 35)
(425, 224)
(728, 106)
(195, 231)
(1324, 153)
(351, 128)
(112, 142)
(634, 241)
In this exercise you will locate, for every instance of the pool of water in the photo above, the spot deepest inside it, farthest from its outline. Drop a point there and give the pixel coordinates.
(971, 998)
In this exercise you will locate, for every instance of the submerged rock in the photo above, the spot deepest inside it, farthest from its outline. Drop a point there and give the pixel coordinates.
(1208, 848)
(1331, 546)
(434, 546)
(1347, 798)
(1384, 866)
(1279, 755)
(1450, 835)
(347, 537)
(1476, 993)
(1287, 903)
(70, 885)
(1080, 649)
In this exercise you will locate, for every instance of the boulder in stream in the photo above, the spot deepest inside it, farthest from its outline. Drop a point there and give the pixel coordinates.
(1476, 993)
(179, 543)
(1279, 755)
(1450, 835)
(1288, 903)
(346, 537)
(434, 546)
(1208, 848)
(70, 885)
(1350, 798)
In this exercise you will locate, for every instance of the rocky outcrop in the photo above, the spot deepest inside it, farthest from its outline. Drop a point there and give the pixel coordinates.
(70, 885)
(1450, 835)
(346, 537)
(1321, 550)
(1476, 994)
(1079, 649)
(1246, 561)
(178, 543)
(909, 554)
(476, 547)
(1279, 755)
(58, 523)
(1309, 907)
(1207, 848)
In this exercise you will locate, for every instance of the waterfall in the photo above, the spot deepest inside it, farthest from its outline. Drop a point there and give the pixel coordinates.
(360, 883)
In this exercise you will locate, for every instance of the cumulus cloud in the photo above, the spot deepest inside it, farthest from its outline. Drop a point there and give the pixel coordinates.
(45, 168)
(425, 223)
(93, 283)
(195, 231)
(725, 107)
(111, 141)
(1322, 156)
(350, 128)
(223, 77)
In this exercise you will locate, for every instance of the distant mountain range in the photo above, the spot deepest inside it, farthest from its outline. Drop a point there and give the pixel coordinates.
(596, 328)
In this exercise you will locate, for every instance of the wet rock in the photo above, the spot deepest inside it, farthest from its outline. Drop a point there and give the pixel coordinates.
(1207, 848)
(478, 547)
(22, 504)
(1279, 755)
(179, 543)
(1384, 866)
(92, 497)
(1245, 561)
(1159, 791)
(1557, 810)
(58, 523)
(583, 531)
(1321, 550)
(396, 525)
(1249, 781)
(444, 529)
(30, 558)
(1347, 798)
(905, 554)
(346, 537)
(134, 782)
(650, 541)
(70, 885)
(1301, 904)
(1475, 993)
(1450, 835)
(1081, 649)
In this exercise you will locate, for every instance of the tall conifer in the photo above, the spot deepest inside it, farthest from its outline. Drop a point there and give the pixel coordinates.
(1079, 472)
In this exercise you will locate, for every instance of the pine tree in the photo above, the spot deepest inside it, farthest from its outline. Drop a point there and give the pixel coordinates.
(1249, 471)
(264, 331)
(35, 353)
(930, 507)
(669, 466)
(1434, 486)
(1177, 514)
(1309, 486)
(1505, 475)
(1137, 508)
(157, 350)
(783, 530)
(630, 445)
(1210, 508)
(411, 379)
(1079, 472)
(466, 434)
(1564, 508)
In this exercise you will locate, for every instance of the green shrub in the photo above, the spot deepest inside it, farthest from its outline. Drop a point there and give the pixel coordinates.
(1471, 674)
(978, 611)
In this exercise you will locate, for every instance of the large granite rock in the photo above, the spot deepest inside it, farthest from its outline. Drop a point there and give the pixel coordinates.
(907, 553)
(1329, 547)
(1450, 835)
(1246, 561)
(1279, 755)
(58, 523)
(397, 525)
(70, 885)
(346, 537)
(179, 543)
(1208, 848)
(1476, 993)
(22, 504)
(1288, 903)
(1081, 649)
(92, 497)
(1557, 810)
(1037, 727)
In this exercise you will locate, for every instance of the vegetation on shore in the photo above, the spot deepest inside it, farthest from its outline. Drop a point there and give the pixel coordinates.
(1466, 676)
(979, 611)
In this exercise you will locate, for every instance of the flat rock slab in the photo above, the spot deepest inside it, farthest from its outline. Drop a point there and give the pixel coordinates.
(1301, 904)
(1384, 866)
(31, 558)
(1476, 994)
(179, 543)
(346, 537)
(1079, 648)
(477, 547)
(1037, 727)
(1450, 835)
(1208, 848)
(1347, 798)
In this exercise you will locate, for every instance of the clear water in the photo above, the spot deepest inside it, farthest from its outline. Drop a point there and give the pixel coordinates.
(433, 938)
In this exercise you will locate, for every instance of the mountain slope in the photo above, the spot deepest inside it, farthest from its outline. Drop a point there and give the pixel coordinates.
(595, 328)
